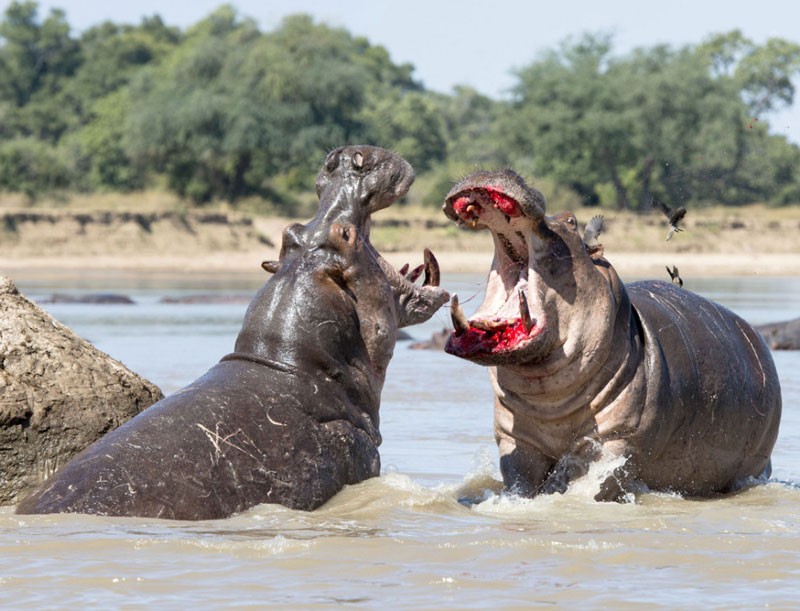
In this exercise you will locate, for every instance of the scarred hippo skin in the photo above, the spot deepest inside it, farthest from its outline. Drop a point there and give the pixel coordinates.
(678, 390)
(291, 416)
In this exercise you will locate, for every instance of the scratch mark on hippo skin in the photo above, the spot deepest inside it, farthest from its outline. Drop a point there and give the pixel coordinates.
(275, 422)
(743, 331)
(218, 440)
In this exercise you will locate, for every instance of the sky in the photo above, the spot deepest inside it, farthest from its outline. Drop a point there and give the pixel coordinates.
(480, 43)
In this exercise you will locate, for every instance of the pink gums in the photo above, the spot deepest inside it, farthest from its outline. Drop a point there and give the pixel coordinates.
(497, 340)
(503, 202)
(468, 209)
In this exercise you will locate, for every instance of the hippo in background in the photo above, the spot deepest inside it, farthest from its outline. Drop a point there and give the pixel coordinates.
(677, 389)
(291, 415)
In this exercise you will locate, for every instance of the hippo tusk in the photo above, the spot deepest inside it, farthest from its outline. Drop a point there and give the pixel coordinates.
(431, 269)
(460, 324)
(415, 273)
(524, 312)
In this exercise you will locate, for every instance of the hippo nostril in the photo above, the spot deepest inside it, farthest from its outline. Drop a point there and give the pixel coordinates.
(358, 160)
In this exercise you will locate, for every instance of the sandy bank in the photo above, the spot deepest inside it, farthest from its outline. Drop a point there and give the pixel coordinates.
(630, 265)
(756, 241)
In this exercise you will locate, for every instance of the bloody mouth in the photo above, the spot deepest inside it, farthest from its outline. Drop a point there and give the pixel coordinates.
(510, 326)
(469, 209)
(501, 339)
(490, 336)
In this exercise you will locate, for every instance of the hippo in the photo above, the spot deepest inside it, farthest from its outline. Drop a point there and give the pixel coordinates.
(676, 392)
(291, 415)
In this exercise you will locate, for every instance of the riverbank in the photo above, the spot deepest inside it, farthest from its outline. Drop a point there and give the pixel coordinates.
(629, 265)
(748, 241)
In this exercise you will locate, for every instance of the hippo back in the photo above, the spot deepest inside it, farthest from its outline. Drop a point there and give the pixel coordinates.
(716, 374)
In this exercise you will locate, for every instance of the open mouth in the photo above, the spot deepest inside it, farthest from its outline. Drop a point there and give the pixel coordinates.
(510, 317)
(490, 336)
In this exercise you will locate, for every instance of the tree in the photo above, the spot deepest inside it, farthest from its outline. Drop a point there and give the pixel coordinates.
(661, 121)
(232, 107)
(36, 59)
(568, 117)
(410, 124)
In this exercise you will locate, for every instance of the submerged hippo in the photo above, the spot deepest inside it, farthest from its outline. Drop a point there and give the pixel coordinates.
(676, 387)
(291, 416)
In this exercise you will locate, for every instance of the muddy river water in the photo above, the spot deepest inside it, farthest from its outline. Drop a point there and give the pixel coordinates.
(404, 539)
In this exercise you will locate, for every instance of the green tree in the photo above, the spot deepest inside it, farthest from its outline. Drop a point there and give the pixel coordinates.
(409, 123)
(673, 123)
(568, 121)
(112, 56)
(36, 60)
(31, 167)
(470, 121)
(232, 108)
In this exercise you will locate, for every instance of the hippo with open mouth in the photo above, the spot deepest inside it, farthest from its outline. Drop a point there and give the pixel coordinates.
(291, 416)
(678, 392)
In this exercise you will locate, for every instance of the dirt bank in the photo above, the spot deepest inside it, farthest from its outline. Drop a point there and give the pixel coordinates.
(717, 242)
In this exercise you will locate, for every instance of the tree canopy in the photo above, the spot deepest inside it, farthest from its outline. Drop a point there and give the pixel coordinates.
(223, 111)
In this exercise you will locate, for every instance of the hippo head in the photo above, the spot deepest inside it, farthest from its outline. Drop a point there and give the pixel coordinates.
(549, 296)
(330, 285)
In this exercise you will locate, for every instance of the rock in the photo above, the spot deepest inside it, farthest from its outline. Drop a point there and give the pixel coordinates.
(58, 394)
(783, 335)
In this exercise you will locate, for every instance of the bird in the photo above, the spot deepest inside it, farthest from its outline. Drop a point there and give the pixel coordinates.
(593, 230)
(673, 273)
(673, 216)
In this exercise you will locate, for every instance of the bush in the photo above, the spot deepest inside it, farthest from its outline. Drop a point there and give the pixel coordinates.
(31, 167)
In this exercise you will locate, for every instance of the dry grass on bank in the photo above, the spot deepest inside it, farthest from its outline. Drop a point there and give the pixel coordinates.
(105, 232)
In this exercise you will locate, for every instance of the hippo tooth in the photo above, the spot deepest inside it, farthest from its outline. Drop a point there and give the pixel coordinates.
(524, 312)
(431, 269)
(415, 273)
(460, 324)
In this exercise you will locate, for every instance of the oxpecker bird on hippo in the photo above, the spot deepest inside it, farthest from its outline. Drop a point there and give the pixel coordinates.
(291, 415)
(678, 391)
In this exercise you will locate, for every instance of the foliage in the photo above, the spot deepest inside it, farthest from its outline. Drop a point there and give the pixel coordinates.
(224, 111)
(30, 166)
(675, 124)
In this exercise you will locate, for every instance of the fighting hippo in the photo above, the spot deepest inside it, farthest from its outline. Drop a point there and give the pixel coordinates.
(680, 393)
(291, 416)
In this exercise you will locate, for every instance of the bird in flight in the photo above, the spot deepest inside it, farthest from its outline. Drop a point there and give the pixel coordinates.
(593, 230)
(673, 216)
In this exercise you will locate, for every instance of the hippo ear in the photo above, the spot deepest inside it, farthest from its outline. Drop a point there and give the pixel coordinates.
(271, 266)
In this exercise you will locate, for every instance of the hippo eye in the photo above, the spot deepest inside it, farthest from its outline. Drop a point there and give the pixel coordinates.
(332, 161)
(346, 234)
(358, 161)
(572, 222)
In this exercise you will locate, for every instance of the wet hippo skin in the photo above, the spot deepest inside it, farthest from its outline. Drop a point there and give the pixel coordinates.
(291, 415)
(679, 391)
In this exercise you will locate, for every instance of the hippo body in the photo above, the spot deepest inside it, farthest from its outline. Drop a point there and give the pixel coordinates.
(715, 376)
(679, 393)
(291, 416)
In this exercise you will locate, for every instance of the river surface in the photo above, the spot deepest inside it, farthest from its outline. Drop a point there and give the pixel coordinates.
(404, 540)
